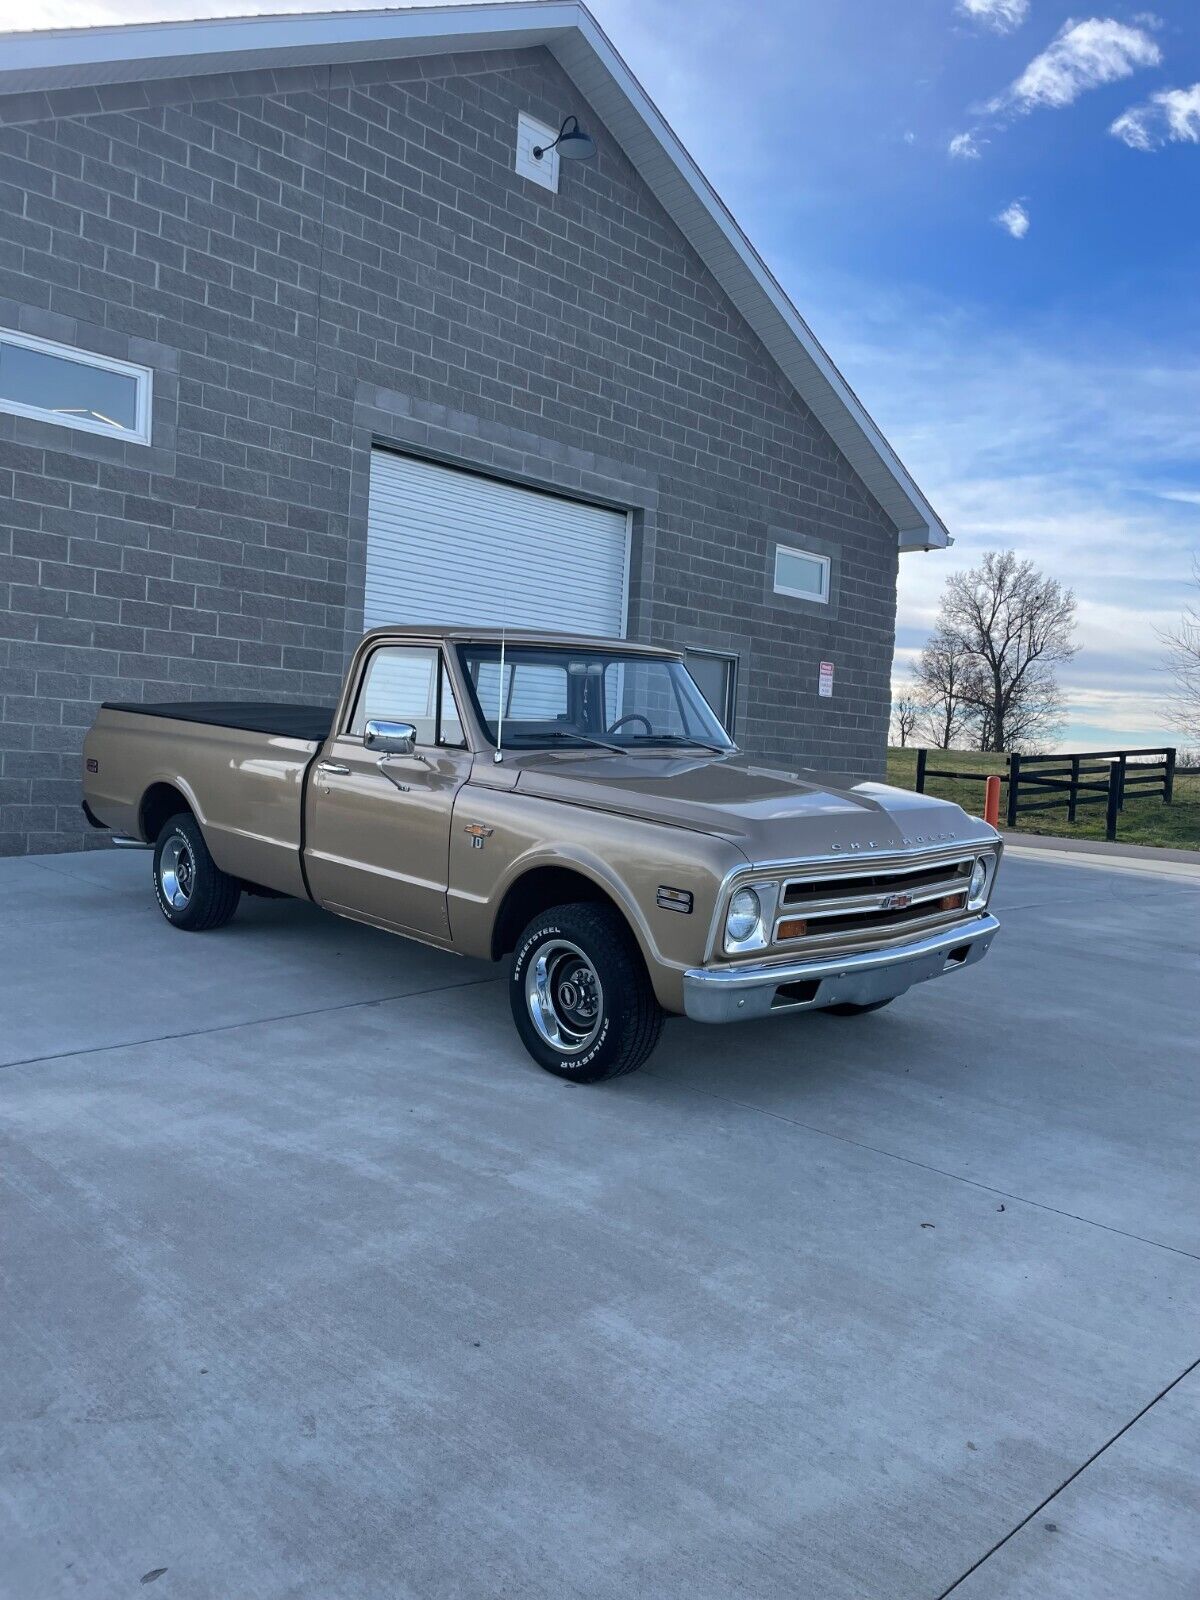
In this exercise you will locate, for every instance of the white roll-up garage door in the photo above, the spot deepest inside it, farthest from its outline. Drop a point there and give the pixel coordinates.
(445, 546)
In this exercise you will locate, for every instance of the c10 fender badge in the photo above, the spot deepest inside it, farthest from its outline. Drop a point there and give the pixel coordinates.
(477, 833)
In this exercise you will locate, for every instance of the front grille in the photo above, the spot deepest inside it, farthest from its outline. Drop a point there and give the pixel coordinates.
(801, 891)
(857, 907)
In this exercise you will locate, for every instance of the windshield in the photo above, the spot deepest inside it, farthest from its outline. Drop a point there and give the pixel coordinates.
(558, 696)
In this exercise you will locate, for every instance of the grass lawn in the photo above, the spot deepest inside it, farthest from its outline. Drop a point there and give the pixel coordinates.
(1141, 822)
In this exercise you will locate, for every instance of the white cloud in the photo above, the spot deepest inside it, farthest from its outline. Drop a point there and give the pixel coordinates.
(1132, 127)
(1002, 15)
(1170, 116)
(1015, 219)
(1084, 56)
(965, 146)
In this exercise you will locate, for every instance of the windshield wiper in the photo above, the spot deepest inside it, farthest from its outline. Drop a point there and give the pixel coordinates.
(680, 739)
(536, 739)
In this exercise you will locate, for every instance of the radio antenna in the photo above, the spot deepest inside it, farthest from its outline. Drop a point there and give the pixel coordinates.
(499, 756)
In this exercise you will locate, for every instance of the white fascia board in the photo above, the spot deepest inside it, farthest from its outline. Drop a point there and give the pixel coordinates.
(72, 58)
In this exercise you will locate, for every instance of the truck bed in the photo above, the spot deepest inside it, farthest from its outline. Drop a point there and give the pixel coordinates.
(238, 765)
(249, 716)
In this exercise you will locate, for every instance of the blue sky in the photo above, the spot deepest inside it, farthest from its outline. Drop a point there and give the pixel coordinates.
(1021, 316)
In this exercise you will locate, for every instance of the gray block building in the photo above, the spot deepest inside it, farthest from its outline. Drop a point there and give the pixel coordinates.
(298, 333)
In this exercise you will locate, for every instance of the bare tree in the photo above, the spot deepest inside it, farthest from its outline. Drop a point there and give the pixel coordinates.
(1183, 666)
(1031, 719)
(906, 709)
(1015, 625)
(944, 676)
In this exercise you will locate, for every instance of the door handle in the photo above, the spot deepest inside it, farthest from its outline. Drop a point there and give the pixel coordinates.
(334, 766)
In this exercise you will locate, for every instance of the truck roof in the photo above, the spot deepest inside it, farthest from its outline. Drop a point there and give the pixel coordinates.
(465, 634)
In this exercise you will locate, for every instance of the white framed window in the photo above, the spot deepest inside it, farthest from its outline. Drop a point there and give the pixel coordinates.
(74, 388)
(800, 573)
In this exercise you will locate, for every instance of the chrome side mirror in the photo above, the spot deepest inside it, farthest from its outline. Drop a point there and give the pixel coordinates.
(390, 738)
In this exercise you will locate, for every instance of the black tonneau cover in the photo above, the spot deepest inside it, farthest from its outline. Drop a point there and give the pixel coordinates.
(250, 716)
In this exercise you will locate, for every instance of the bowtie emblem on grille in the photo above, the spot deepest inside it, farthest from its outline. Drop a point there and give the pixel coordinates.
(896, 902)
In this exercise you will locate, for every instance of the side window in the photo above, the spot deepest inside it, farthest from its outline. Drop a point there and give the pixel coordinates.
(404, 684)
(450, 731)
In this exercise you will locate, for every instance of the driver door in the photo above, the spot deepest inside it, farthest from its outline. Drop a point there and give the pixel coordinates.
(378, 827)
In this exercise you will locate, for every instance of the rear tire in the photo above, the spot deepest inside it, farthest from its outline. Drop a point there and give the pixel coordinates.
(848, 1009)
(192, 891)
(581, 996)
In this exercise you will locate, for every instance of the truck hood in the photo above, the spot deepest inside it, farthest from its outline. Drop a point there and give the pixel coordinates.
(770, 815)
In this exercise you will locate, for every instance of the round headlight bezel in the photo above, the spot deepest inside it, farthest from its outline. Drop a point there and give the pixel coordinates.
(983, 871)
(741, 926)
(758, 935)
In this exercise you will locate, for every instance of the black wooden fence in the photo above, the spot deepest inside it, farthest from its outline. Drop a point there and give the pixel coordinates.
(925, 771)
(1110, 778)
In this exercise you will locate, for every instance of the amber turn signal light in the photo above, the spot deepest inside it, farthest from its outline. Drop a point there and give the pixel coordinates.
(952, 902)
(793, 928)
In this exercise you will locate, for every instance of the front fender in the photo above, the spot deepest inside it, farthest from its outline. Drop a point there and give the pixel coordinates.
(627, 858)
(592, 866)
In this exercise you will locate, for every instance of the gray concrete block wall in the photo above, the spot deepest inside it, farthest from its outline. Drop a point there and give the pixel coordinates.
(275, 245)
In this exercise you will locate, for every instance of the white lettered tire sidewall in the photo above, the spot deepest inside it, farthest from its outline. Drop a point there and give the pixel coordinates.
(630, 1020)
(214, 894)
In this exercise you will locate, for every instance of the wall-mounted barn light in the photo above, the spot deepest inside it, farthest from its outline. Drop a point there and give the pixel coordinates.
(572, 143)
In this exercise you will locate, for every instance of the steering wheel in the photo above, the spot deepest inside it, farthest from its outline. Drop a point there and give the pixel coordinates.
(631, 716)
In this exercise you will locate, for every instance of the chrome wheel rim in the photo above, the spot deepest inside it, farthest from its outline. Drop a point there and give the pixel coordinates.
(564, 996)
(176, 872)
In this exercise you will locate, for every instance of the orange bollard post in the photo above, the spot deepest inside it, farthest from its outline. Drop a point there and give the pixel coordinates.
(991, 802)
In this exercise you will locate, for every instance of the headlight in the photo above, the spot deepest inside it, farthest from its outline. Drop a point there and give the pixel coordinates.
(750, 919)
(745, 916)
(981, 881)
(749, 922)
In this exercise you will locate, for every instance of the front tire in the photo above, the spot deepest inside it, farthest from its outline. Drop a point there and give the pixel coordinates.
(581, 996)
(192, 891)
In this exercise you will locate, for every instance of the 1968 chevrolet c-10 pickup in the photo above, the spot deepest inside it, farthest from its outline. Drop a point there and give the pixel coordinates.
(570, 801)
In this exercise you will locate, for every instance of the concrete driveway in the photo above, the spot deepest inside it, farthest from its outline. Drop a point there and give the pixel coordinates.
(316, 1287)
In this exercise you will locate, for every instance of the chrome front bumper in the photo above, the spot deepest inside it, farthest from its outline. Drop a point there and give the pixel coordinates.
(735, 994)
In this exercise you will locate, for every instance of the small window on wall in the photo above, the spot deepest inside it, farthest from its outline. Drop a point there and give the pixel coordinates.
(715, 676)
(73, 388)
(800, 573)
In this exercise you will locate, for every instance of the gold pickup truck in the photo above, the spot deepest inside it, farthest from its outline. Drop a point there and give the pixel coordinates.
(571, 802)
